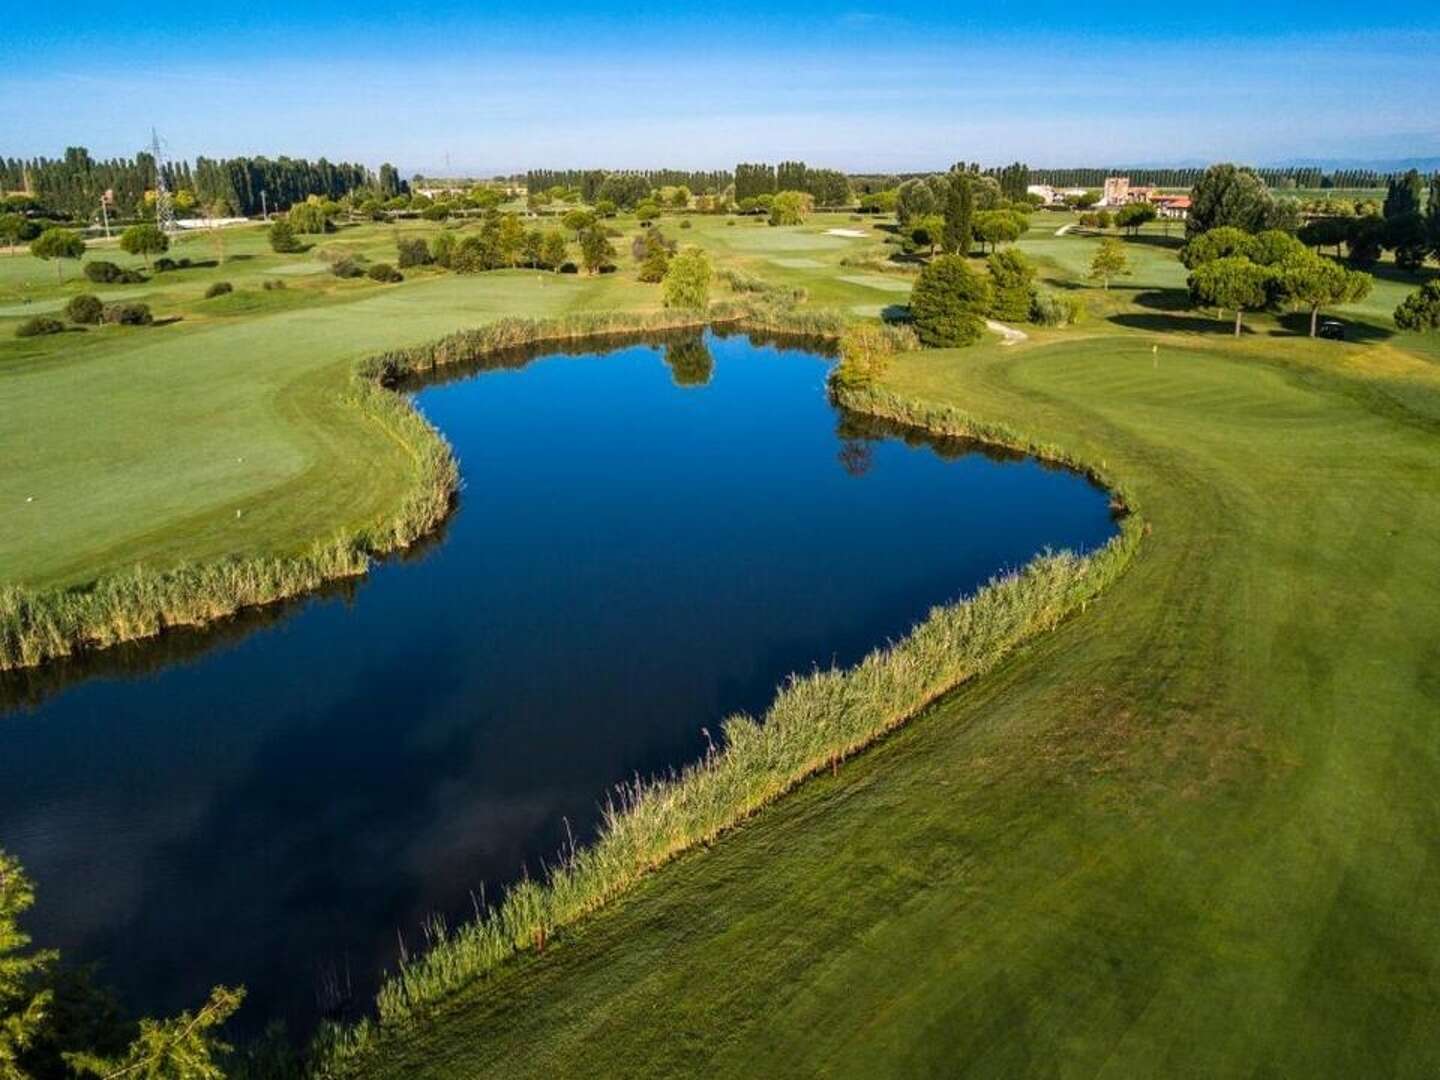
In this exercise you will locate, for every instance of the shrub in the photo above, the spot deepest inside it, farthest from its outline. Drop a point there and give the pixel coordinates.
(385, 273)
(37, 325)
(865, 354)
(273, 283)
(220, 288)
(685, 224)
(165, 264)
(1051, 309)
(283, 240)
(948, 301)
(129, 314)
(349, 266)
(85, 309)
(101, 272)
(569, 268)
(411, 251)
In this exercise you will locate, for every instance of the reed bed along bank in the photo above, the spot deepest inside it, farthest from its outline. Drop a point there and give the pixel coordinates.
(37, 625)
(815, 722)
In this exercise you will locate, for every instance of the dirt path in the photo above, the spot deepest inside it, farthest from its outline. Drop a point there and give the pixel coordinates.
(1009, 333)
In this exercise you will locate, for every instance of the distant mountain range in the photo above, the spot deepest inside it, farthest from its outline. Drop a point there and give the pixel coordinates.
(1385, 165)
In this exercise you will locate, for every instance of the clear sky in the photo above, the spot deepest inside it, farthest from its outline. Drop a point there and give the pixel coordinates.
(860, 86)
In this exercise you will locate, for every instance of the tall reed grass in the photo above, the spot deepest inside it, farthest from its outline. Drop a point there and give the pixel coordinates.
(815, 722)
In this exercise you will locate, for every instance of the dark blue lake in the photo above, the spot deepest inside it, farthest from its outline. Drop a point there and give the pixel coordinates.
(647, 540)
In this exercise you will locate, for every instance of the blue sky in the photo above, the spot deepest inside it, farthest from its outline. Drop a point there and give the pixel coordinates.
(501, 88)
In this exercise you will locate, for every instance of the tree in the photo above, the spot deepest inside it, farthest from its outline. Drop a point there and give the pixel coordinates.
(959, 230)
(1325, 232)
(1432, 215)
(1132, 216)
(1273, 247)
(596, 251)
(577, 220)
(15, 228)
(928, 231)
(22, 1007)
(687, 282)
(1233, 283)
(1309, 280)
(791, 208)
(1012, 280)
(1421, 309)
(1406, 235)
(1228, 195)
(996, 227)
(1216, 244)
(58, 244)
(553, 249)
(948, 303)
(180, 1049)
(1110, 261)
(1404, 195)
(308, 217)
(511, 239)
(605, 208)
(1365, 240)
(283, 240)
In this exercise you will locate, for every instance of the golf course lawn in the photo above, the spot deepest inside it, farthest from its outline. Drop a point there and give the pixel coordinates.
(1191, 832)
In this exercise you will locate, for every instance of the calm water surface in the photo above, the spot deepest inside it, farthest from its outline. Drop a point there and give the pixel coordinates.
(647, 541)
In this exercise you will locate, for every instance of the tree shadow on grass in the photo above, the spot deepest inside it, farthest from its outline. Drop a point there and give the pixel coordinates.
(1298, 323)
(1170, 243)
(896, 313)
(1171, 323)
(1163, 299)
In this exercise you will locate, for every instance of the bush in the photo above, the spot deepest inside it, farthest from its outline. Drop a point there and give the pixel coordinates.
(273, 283)
(165, 264)
(38, 325)
(948, 301)
(220, 288)
(569, 268)
(350, 266)
(1051, 309)
(685, 224)
(411, 251)
(107, 273)
(385, 273)
(85, 309)
(129, 314)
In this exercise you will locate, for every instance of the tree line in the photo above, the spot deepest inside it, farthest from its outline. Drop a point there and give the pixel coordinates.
(72, 186)
(827, 187)
(590, 182)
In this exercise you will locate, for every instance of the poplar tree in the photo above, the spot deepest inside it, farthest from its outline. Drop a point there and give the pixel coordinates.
(959, 215)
